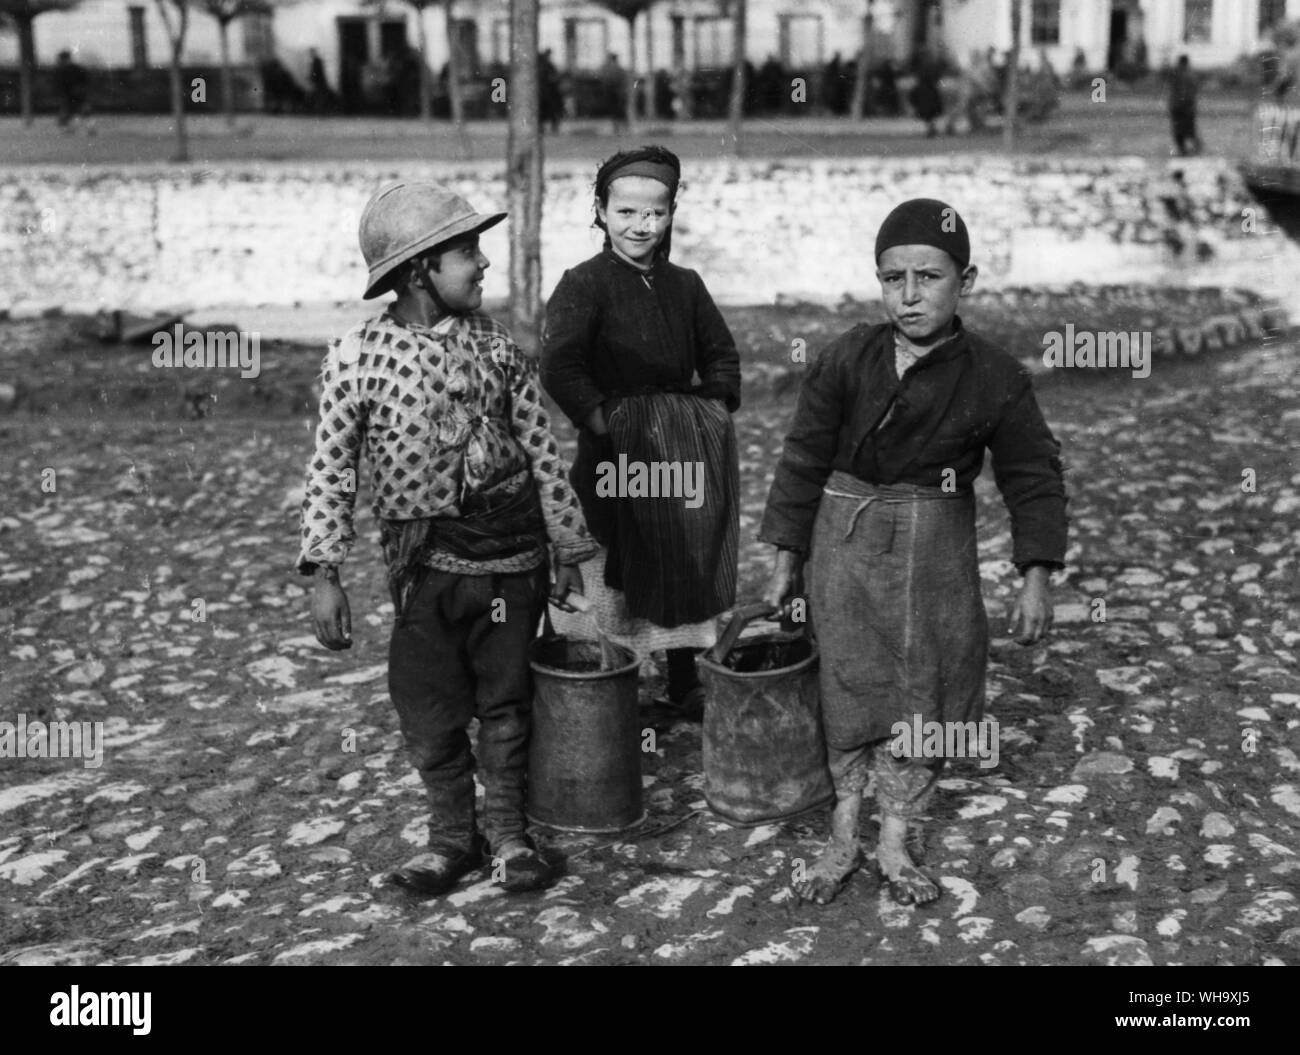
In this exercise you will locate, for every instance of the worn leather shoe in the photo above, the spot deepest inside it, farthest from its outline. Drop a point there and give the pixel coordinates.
(431, 874)
(523, 866)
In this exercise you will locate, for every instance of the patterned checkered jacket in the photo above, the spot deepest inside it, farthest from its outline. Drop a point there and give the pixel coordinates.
(441, 412)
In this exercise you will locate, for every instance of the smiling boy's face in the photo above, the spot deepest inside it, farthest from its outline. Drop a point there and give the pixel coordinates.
(921, 285)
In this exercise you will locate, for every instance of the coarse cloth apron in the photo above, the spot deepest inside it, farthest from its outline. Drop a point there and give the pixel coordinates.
(676, 563)
(894, 589)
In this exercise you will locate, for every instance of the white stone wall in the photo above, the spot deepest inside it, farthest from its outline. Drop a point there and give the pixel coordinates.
(152, 238)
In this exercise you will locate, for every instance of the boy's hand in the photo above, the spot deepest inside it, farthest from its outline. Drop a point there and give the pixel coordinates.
(568, 579)
(786, 581)
(330, 611)
(1031, 618)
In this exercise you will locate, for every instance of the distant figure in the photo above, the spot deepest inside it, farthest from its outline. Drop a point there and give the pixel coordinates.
(321, 97)
(551, 95)
(72, 86)
(887, 100)
(927, 102)
(839, 85)
(1079, 69)
(665, 95)
(404, 86)
(1182, 108)
(770, 84)
(613, 79)
(280, 91)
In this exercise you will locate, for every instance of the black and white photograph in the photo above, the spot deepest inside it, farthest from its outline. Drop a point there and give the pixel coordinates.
(651, 483)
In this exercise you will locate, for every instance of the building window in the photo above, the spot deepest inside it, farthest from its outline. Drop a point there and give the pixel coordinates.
(1045, 22)
(501, 41)
(259, 37)
(1271, 13)
(713, 43)
(1197, 16)
(586, 43)
(801, 41)
(139, 42)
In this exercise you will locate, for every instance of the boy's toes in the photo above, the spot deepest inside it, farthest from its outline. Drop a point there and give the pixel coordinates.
(911, 886)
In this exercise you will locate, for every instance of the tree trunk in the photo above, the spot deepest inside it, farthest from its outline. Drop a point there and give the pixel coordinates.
(648, 81)
(227, 78)
(1011, 100)
(524, 178)
(178, 106)
(176, 37)
(422, 36)
(737, 110)
(860, 81)
(631, 76)
(27, 66)
(453, 69)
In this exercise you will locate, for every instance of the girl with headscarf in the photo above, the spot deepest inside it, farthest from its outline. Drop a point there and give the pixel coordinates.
(638, 356)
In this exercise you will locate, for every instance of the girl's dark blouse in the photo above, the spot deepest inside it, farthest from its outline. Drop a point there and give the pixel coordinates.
(613, 330)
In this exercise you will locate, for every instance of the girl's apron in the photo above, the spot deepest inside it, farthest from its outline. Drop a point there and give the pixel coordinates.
(674, 556)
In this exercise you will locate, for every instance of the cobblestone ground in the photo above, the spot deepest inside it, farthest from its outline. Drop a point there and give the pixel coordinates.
(1145, 808)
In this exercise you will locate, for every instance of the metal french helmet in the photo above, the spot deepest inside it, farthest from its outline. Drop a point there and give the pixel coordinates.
(403, 220)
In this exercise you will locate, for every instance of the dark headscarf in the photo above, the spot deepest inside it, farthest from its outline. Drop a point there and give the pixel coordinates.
(655, 162)
(926, 221)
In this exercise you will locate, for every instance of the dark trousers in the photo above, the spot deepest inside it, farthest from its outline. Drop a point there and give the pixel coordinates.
(461, 652)
(1186, 141)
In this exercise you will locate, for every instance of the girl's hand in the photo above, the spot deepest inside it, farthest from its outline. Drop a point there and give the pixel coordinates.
(596, 422)
(1031, 618)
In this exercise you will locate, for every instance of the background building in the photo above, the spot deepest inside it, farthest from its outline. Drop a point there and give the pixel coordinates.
(676, 36)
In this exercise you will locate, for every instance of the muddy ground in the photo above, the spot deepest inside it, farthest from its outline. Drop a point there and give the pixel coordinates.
(1145, 808)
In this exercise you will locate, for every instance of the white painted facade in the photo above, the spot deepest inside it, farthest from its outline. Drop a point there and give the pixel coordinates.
(1231, 28)
(693, 32)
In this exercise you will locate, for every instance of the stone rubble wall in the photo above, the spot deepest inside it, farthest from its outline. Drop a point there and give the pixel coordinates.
(85, 239)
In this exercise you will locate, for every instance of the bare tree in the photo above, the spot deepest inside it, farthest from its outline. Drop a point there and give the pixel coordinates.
(454, 97)
(176, 18)
(858, 107)
(422, 45)
(22, 15)
(736, 113)
(524, 177)
(629, 10)
(1011, 99)
(226, 12)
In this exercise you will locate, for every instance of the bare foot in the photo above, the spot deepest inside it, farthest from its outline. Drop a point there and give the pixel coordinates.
(841, 858)
(908, 885)
(826, 878)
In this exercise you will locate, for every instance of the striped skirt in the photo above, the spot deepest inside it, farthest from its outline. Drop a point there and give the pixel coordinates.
(894, 592)
(675, 488)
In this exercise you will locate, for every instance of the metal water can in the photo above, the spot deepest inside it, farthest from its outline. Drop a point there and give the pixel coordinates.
(764, 747)
(584, 758)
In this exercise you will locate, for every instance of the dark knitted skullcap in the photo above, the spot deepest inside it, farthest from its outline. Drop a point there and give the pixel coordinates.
(926, 221)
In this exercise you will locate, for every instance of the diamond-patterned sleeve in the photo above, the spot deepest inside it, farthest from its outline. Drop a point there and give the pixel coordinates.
(531, 426)
(327, 532)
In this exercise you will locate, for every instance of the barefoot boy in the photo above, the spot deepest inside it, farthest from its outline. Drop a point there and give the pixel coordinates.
(874, 491)
(468, 486)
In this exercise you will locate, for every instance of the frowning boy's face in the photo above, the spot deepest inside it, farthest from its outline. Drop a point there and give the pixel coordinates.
(921, 286)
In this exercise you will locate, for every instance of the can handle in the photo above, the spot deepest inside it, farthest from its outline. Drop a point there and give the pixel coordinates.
(741, 618)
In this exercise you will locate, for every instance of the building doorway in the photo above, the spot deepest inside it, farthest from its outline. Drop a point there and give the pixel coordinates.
(371, 56)
(1126, 47)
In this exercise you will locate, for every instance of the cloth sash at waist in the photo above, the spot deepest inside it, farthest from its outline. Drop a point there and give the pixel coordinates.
(501, 521)
(845, 485)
